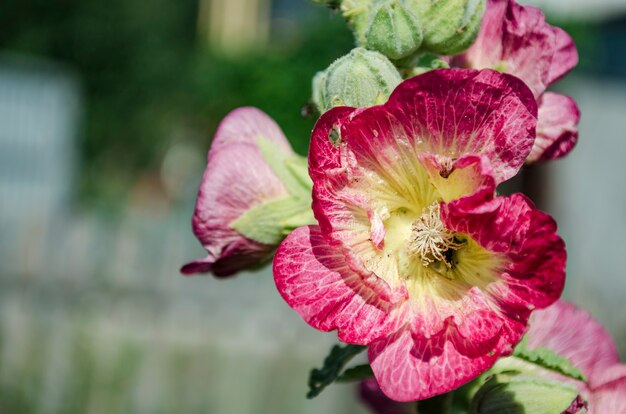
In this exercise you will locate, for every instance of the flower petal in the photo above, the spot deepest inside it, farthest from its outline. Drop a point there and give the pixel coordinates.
(235, 180)
(516, 39)
(457, 112)
(557, 127)
(414, 363)
(565, 56)
(609, 391)
(534, 255)
(245, 126)
(325, 139)
(468, 175)
(241, 253)
(575, 335)
(486, 51)
(409, 367)
(315, 281)
(347, 215)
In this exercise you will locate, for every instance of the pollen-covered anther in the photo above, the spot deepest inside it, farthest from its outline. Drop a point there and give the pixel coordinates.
(430, 240)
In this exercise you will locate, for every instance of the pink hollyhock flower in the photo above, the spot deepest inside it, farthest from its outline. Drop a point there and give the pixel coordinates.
(414, 255)
(516, 39)
(237, 178)
(574, 334)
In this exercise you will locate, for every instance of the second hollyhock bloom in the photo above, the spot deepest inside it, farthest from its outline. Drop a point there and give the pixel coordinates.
(573, 334)
(516, 39)
(414, 254)
(239, 178)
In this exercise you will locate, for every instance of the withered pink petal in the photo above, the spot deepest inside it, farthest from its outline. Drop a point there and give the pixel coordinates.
(565, 56)
(572, 333)
(557, 127)
(236, 179)
(609, 391)
(534, 254)
(315, 281)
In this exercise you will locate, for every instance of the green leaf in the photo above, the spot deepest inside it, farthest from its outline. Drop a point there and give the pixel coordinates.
(357, 373)
(521, 394)
(299, 168)
(439, 404)
(271, 221)
(333, 364)
(286, 168)
(547, 359)
(303, 218)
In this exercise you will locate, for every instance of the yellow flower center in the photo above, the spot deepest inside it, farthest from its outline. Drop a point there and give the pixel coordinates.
(430, 240)
(402, 238)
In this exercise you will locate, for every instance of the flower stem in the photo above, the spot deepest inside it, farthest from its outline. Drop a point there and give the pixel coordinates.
(440, 404)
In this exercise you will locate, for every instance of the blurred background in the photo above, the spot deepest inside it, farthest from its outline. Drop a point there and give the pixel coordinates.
(107, 109)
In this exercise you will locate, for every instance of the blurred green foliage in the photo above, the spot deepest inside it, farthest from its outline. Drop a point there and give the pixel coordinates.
(148, 81)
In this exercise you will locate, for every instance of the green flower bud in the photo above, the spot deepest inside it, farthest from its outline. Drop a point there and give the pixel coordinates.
(357, 14)
(362, 78)
(515, 393)
(449, 26)
(393, 30)
(319, 90)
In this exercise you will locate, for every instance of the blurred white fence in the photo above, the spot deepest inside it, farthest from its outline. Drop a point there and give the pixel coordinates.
(107, 325)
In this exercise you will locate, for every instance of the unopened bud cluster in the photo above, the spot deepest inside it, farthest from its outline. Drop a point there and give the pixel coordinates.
(361, 78)
(393, 36)
(404, 29)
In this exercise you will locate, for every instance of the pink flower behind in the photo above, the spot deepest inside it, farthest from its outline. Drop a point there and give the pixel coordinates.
(379, 403)
(414, 255)
(516, 39)
(236, 179)
(609, 391)
(574, 334)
